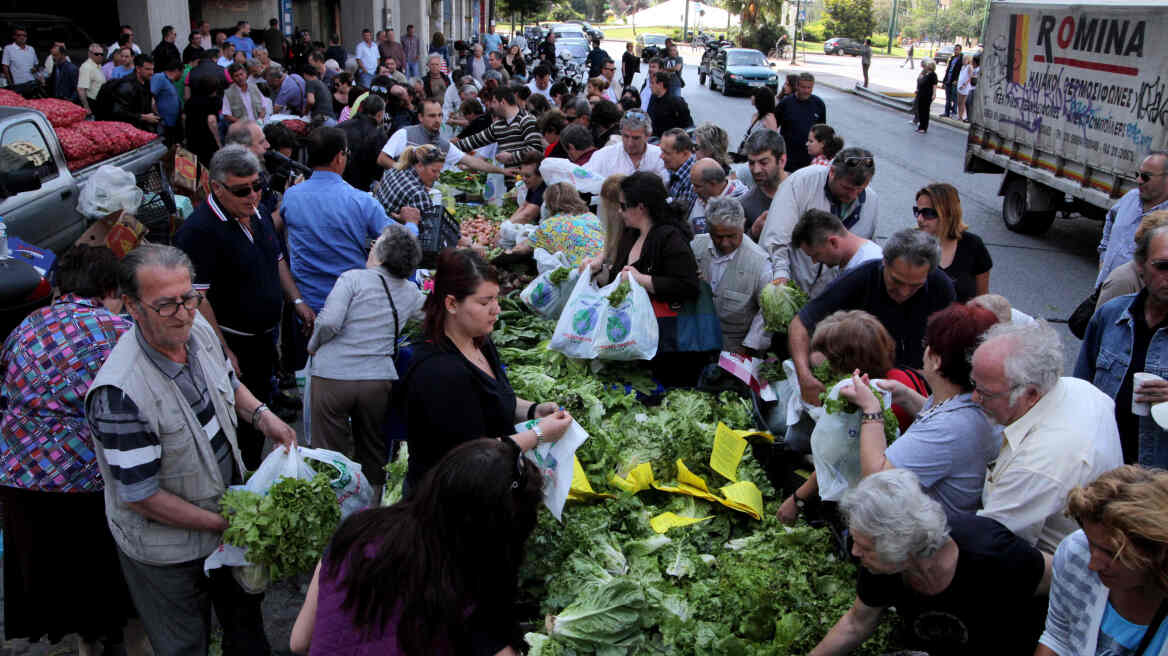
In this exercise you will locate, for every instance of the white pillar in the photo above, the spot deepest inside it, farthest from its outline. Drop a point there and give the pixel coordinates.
(148, 18)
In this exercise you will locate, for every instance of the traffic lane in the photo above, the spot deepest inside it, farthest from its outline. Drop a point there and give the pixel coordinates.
(1045, 276)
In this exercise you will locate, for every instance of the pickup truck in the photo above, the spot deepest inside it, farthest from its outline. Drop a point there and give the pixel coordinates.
(1070, 100)
(48, 216)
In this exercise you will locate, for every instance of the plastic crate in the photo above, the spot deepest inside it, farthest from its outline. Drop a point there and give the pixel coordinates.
(157, 211)
(436, 231)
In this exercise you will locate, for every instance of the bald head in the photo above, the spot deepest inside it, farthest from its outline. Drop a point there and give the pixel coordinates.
(708, 178)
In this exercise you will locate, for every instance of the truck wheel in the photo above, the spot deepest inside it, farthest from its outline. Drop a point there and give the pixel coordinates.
(1017, 216)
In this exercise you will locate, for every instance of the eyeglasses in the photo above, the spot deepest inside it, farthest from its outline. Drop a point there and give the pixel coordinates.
(856, 162)
(636, 113)
(97, 54)
(986, 396)
(256, 187)
(167, 309)
(926, 213)
(1161, 265)
(1144, 176)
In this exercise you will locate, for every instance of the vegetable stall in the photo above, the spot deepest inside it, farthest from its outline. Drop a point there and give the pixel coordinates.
(669, 543)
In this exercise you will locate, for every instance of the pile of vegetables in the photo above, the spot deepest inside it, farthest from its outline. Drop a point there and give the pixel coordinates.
(468, 181)
(84, 142)
(610, 584)
(285, 530)
(558, 276)
(780, 304)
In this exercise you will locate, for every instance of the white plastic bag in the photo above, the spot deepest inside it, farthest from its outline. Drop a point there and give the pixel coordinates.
(576, 329)
(544, 297)
(513, 234)
(555, 464)
(110, 189)
(558, 169)
(629, 330)
(835, 447)
(493, 189)
(352, 487)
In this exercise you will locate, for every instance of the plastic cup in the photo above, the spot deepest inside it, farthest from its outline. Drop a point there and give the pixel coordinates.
(1138, 379)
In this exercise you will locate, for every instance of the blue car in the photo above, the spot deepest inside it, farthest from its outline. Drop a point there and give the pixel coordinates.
(741, 69)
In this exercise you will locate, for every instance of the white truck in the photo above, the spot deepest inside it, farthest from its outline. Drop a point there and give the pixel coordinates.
(1071, 97)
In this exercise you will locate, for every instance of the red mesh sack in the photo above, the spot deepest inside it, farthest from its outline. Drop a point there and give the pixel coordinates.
(76, 144)
(61, 113)
(12, 99)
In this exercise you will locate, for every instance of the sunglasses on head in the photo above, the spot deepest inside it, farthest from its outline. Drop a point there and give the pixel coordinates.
(256, 187)
(925, 212)
(854, 162)
(1144, 176)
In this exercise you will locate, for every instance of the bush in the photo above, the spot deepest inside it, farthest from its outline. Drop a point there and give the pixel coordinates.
(880, 41)
(817, 32)
(763, 37)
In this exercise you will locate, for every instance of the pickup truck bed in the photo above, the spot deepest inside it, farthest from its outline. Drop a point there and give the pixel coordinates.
(48, 216)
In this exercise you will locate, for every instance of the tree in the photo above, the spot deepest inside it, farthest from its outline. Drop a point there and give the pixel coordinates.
(852, 18)
(523, 8)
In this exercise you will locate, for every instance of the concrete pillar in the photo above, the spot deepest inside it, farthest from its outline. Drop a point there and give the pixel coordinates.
(224, 15)
(148, 18)
(357, 15)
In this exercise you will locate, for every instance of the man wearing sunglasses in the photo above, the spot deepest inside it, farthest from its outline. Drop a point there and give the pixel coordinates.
(1125, 338)
(241, 270)
(1119, 228)
(164, 409)
(840, 189)
(90, 78)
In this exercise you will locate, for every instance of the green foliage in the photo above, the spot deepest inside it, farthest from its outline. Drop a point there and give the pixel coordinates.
(617, 296)
(850, 18)
(286, 529)
(817, 31)
(780, 304)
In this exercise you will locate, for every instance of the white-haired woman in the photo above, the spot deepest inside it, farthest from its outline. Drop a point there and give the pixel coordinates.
(353, 345)
(962, 586)
(926, 88)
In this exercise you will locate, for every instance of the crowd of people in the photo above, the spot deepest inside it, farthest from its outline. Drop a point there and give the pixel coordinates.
(1019, 507)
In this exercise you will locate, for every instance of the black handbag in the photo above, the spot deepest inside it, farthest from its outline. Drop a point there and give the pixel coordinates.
(1079, 319)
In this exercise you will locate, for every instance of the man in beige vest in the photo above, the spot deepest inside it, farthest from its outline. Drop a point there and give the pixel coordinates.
(735, 267)
(164, 410)
(242, 100)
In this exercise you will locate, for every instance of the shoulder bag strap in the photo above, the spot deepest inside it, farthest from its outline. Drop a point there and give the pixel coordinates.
(1153, 629)
(393, 307)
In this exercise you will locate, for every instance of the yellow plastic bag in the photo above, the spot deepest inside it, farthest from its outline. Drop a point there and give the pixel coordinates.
(581, 489)
(639, 478)
(667, 520)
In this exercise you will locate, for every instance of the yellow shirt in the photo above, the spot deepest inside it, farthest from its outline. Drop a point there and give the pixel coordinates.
(90, 78)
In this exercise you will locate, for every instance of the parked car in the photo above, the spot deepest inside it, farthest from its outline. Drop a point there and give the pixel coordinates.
(568, 31)
(946, 53)
(653, 43)
(589, 29)
(46, 29)
(734, 69)
(48, 216)
(843, 46)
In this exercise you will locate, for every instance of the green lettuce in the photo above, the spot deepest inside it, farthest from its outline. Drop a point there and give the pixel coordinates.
(780, 304)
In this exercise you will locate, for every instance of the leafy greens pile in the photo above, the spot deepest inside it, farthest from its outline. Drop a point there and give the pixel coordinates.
(780, 304)
(729, 584)
(285, 530)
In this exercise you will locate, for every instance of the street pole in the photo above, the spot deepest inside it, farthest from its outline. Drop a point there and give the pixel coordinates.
(685, 22)
(795, 36)
(891, 27)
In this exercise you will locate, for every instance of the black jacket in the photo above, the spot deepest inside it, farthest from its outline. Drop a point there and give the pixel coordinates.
(953, 70)
(207, 79)
(667, 257)
(165, 54)
(668, 112)
(129, 100)
(366, 139)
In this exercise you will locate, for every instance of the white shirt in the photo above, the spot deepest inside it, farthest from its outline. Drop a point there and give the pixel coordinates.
(90, 78)
(1065, 441)
(109, 52)
(367, 54)
(610, 93)
(251, 112)
(866, 253)
(397, 145)
(613, 159)
(801, 191)
(546, 93)
(451, 101)
(20, 62)
(224, 62)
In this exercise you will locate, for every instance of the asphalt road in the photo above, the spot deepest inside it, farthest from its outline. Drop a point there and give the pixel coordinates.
(1045, 276)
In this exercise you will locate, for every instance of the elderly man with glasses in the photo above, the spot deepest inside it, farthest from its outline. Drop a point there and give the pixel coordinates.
(1123, 219)
(841, 189)
(241, 270)
(1059, 433)
(90, 78)
(633, 153)
(164, 409)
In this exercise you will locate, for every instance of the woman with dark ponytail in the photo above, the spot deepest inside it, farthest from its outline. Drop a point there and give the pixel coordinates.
(455, 389)
(823, 143)
(654, 250)
(434, 574)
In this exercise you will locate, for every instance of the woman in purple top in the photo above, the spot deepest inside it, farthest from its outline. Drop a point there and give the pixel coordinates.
(435, 574)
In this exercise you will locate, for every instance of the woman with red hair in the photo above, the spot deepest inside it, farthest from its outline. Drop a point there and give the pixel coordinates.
(951, 441)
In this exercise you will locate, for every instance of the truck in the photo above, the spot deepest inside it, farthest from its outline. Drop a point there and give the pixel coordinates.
(48, 216)
(1071, 97)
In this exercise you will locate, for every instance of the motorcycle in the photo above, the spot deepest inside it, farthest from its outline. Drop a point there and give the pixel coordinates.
(572, 73)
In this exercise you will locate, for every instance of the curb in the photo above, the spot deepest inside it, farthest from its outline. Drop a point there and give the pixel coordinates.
(889, 101)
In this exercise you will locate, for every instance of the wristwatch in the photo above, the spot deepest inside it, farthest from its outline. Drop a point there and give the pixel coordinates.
(538, 433)
(297, 301)
(800, 504)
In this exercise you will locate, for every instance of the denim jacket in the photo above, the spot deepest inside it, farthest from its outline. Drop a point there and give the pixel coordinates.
(1104, 358)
